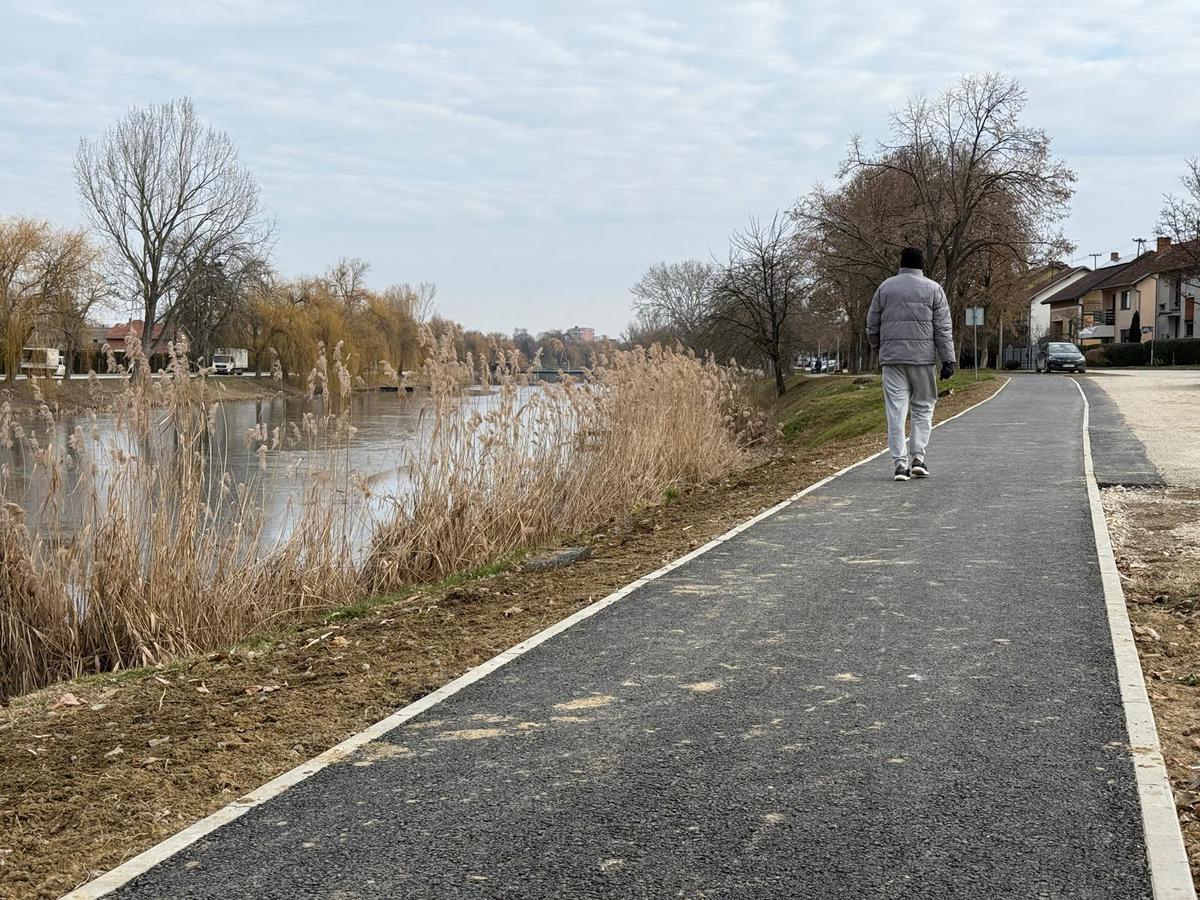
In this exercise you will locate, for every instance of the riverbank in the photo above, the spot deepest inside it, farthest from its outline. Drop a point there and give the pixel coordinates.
(81, 394)
(94, 770)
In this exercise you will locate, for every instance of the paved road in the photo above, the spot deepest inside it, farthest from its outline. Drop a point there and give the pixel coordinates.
(1119, 456)
(886, 690)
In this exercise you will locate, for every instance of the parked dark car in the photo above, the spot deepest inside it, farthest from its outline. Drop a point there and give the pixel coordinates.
(1059, 356)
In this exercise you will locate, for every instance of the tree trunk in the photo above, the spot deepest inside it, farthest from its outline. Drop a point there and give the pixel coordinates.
(780, 385)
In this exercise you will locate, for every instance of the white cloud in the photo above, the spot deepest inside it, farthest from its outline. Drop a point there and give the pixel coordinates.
(540, 156)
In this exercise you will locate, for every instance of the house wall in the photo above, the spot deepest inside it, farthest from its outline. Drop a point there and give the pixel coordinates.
(1064, 320)
(1093, 302)
(1142, 299)
(1039, 313)
(1173, 322)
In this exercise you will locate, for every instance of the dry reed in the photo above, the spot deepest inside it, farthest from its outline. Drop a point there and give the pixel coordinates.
(169, 555)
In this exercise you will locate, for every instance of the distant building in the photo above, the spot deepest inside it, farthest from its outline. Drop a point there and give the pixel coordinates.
(122, 337)
(1045, 281)
(1127, 300)
(581, 334)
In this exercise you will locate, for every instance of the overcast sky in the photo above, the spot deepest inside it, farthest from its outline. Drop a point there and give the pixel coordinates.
(533, 158)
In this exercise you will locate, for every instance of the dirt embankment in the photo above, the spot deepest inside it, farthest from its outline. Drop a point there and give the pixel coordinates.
(1156, 537)
(80, 393)
(94, 771)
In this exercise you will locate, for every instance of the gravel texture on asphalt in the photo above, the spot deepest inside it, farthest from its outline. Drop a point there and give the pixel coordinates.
(885, 690)
(1118, 456)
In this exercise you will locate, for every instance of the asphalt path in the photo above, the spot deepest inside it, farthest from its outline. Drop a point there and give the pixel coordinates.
(1119, 456)
(884, 690)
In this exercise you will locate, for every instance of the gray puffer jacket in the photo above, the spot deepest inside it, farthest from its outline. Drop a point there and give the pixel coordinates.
(909, 321)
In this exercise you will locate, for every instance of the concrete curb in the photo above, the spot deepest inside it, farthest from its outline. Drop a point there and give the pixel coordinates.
(151, 857)
(1170, 873)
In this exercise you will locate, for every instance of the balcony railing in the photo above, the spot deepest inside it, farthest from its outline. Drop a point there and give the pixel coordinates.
(1100, 317)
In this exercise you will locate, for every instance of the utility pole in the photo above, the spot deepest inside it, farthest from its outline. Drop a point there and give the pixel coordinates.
(1141, 242)
(1095, 259)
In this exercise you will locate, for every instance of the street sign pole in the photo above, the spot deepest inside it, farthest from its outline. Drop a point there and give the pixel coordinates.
(976, 330)
(975, 319)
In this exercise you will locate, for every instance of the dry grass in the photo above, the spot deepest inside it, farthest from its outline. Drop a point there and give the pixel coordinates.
(170, 556)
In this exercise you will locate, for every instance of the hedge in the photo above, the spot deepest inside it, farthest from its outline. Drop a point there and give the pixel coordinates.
(1178, 352)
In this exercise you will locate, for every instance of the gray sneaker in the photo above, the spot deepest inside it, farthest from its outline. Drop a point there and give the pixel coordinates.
(901, 472)
(919, 469)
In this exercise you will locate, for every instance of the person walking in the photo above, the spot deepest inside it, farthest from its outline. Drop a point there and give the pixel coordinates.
(908, 323)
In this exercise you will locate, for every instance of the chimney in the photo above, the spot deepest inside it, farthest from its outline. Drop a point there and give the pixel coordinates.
(1164, 244)
(1114, 256)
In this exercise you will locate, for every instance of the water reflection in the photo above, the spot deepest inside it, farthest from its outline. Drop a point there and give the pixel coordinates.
(389, 426)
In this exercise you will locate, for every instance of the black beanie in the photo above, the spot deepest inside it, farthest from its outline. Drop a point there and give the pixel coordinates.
(912, 258)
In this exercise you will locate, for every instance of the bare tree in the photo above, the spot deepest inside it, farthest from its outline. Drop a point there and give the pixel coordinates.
(1180, 217)
(982, 181)
(675, 298)
(169, 196)
(761, 288)
(347, 281)
(852, 237)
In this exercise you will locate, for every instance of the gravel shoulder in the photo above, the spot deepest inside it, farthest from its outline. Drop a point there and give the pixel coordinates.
(1156, 538)
(1162, 407)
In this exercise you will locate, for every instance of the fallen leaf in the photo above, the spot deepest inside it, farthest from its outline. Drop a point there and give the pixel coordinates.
(261, 688)
(512, 611)
(149, 761)
(340, 641)
(66, 699)
(202, 689)
(115, 751)
(155, 742)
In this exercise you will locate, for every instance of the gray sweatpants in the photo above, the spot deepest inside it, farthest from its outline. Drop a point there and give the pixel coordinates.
(905, 386)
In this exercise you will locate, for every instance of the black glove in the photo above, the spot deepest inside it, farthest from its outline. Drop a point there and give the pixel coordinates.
(947, 370)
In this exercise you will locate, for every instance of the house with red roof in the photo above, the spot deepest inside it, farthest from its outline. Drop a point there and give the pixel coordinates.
(1131, 299)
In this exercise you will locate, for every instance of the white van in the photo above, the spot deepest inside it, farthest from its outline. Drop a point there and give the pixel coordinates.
(230, 361)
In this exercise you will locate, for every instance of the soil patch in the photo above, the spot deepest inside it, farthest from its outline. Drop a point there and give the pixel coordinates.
(96, 770)
(1156, 538)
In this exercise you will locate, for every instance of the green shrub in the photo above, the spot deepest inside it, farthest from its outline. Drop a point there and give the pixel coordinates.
(1126, 353)
(1170, 352)
(1179, 352)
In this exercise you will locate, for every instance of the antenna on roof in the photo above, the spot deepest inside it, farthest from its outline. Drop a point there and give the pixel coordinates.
(1141, 242)
(1095, 259)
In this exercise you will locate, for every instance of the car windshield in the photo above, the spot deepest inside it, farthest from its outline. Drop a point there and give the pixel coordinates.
(218, 359)
(1063, 348)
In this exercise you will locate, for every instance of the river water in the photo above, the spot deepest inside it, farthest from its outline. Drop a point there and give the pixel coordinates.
(389, 427)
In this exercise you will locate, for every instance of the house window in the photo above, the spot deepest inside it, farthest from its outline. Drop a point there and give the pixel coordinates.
(1124, 335)
(1124, 299)
(1188, 329)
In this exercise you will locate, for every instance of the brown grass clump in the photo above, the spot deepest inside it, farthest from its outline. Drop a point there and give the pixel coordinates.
(533, 464)
(169, 555)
